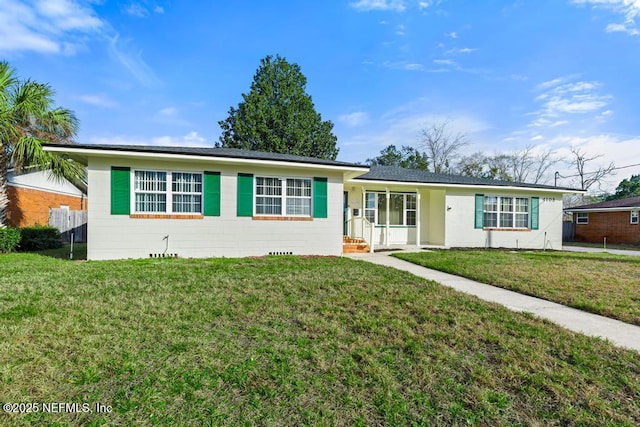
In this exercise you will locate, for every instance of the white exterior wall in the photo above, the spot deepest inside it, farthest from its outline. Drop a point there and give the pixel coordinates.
(460, 231)
(119, 236)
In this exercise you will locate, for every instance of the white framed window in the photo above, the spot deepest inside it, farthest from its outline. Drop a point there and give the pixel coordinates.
(298, 199)
(283, 196)
(506, 212)
(186, 192)
(582, 218)
(370, 207)
(167, 192)
(402, 208)
(634, 217)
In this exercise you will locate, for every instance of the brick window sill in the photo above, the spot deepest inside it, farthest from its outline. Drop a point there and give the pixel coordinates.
(282, 218)
(166, 216)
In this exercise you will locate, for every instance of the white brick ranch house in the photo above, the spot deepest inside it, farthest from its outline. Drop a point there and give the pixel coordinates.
(211, 202)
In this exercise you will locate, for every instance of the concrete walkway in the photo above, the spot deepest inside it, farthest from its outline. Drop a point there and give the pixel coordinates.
(611, 251)
(619, 333)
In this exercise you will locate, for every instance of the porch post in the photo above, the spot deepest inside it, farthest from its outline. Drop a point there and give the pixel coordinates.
(362, 215)
(386, 231)
(418, 217)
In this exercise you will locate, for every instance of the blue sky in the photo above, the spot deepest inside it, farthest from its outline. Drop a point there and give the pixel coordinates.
(553, 74)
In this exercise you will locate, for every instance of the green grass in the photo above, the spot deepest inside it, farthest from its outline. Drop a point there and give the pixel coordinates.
(290, 341)
(600, 283)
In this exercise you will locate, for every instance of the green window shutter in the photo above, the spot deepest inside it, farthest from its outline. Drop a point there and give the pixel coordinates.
(479, 212)
(120, 190)
(320, 201)
(211, 193)
(535, 213)
(245, 194)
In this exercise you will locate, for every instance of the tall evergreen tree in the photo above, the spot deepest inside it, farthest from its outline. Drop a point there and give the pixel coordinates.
(277, 115)
(27, 119)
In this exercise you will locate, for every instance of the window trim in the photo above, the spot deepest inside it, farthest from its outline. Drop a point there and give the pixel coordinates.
(585, 217)
(513, 213)
(375, 209)
(283, 197)
(634, 215)
(169, 194)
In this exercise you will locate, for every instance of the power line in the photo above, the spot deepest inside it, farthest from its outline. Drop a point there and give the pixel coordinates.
(592, 173)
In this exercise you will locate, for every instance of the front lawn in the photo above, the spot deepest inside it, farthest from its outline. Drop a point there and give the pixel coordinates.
(290, 341)
(601, 283)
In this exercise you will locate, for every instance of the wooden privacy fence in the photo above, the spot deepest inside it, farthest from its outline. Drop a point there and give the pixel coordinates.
(68, 222)
(568, 231)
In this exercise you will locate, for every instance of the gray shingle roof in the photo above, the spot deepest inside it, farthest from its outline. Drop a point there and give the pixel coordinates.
(398, 174)
(630, 202)
(210, 152)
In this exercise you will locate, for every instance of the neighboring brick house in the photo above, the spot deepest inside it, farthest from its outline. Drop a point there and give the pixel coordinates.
(32, 194)
(615, 220)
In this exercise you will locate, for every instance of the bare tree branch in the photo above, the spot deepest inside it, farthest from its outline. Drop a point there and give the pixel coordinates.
(588, 179)
(441, 145)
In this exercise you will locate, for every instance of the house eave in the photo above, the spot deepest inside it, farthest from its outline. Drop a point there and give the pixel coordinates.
(616, 209)
(82, 155)
(475, 187)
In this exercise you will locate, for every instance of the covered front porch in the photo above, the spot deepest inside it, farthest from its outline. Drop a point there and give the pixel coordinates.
(394, 215)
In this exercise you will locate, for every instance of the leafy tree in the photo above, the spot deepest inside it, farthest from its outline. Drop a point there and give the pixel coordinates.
(406, 157)
(479, 165)
(277, 115)
(27, 119)
(627, 188)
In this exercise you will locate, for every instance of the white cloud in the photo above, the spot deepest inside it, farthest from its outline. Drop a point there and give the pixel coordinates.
(460, 50)
(355, 119)
(622, 28)
(403, 65)
(136, 9)
(192, 139)
(445, 62)
(368, 5)
(562, 98)
(45, 26)
(168, 112)
(98, 100)
(141, 11)
(423, 5)
(453, 35)
(133, 62)
(401, 30)
(629, 9)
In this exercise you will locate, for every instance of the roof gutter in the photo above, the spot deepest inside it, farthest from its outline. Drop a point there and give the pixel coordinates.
(469, 186)
(84, 153)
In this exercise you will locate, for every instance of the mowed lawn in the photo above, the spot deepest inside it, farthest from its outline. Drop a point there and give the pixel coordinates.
(290, 341)
(601, 283)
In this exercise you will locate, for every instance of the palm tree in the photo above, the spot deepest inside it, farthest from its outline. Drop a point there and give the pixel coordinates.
(28, 119)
